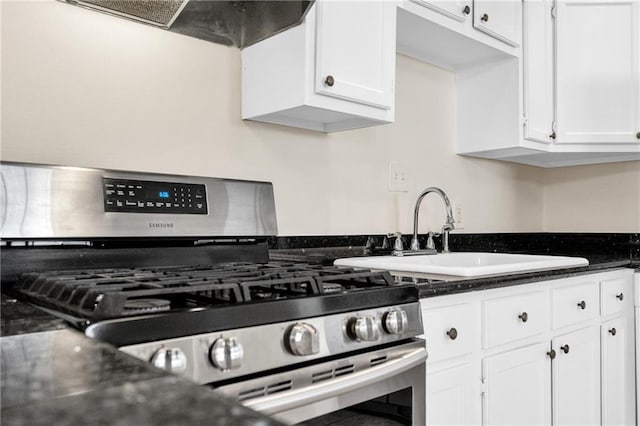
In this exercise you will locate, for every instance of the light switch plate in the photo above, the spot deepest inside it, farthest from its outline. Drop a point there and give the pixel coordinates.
(398, 177)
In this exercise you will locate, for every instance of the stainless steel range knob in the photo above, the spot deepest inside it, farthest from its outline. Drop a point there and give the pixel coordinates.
(363, 329)
(395, 321)
(170, 359)
(303, 339)
(226, 353)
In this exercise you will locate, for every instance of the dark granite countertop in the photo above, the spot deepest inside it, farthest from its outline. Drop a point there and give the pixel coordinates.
(52, 374)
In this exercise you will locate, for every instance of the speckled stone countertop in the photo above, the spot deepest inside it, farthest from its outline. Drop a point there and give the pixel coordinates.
(52, 374)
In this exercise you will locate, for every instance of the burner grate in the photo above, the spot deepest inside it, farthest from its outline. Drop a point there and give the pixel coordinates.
(113, 293)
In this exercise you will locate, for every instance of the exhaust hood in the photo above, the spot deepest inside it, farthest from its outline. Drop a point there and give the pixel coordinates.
(232, 23)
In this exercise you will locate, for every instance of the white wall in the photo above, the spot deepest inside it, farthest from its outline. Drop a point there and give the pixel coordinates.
(82, 88)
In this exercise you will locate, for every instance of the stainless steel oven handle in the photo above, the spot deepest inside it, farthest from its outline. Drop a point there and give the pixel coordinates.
(282, 401)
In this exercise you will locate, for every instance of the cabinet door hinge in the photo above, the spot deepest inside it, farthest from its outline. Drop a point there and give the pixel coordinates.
(483, 387)
(554, 11)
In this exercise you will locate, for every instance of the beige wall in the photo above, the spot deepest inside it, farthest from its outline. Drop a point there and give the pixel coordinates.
(595, 198)
(82, 88)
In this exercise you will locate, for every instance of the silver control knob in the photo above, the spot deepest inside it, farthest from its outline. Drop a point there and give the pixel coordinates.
(226, 353)
(303, 339)
(170, 359)
(363, 328)
(395, 321)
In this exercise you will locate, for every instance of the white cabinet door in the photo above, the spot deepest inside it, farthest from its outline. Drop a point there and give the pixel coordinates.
(355, 56)
(501, 19)
(598, 55)
(518, 388)
(538, 77)
(576, 377)
(459, 10)
(617, 373)
(452, 397)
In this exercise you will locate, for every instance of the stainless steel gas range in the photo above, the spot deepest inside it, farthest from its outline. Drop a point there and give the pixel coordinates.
(174, 270)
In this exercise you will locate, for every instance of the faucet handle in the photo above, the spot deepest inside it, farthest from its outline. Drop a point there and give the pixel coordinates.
(430, 243)
(370, 245)
(397, 246)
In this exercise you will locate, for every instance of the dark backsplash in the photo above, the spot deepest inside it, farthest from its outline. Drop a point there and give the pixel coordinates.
(619, 245)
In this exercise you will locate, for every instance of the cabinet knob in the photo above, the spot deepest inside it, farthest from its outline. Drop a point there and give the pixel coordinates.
(638, 135)
(620, 296)
(565, 349)
(582, 305)
(452, 333)
(329, 80)
(552, 354)
(466, 10)
(484, 18)
(552, 135)
(524, 317)
(612, 331)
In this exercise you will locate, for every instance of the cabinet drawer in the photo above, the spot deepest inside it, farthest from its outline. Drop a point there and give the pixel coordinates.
(615, 295)
(575, 303)
(449, 331)
(514, 317)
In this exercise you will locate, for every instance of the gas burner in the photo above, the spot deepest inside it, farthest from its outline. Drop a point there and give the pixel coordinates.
(147, 305)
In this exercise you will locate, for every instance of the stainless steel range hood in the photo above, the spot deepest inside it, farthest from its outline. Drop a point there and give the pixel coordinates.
(232, 23)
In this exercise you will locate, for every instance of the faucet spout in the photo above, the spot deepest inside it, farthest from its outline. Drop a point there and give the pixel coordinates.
(448, 226)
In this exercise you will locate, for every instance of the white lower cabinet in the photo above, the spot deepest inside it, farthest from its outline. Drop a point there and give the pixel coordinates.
(569, 360)
(517, 387)
(618, 403)
(576, 377)
(451, 395)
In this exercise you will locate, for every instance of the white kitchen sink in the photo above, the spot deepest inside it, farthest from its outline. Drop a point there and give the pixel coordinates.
(463, 264)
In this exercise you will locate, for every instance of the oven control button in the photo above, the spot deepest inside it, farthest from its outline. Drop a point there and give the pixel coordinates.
(394, 321)
(170, 359)
(226, 353)
(363, 328)
(302, 339)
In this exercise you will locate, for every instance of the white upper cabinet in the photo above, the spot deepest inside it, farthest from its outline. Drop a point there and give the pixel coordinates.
(538, 78)
(577, 94)
(597, 61)
(453, 34)
(335, 71)
(460, 10)
(357, 63)
(499, 19)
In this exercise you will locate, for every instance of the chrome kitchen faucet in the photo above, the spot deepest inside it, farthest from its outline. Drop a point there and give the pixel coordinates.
(448, 226)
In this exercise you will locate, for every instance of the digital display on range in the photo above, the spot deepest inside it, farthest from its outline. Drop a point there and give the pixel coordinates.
(133, 196)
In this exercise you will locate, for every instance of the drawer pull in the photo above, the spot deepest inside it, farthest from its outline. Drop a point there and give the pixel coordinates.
(452, 333)
(582, 305)
(552, 354)
(524, 317)
(620, 296)
(565, 349)
(613, 331)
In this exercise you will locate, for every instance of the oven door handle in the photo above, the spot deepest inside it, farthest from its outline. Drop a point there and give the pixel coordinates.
(272, 404)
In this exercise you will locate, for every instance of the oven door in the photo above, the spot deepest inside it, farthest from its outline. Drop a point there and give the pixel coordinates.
(384, 383)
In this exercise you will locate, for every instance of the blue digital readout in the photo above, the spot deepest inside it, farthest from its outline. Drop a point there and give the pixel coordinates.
(163, 194)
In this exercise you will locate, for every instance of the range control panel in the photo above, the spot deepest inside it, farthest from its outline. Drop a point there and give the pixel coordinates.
(136, 196)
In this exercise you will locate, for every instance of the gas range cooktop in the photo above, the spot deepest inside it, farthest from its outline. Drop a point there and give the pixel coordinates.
(131, 305)
(96, 294)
